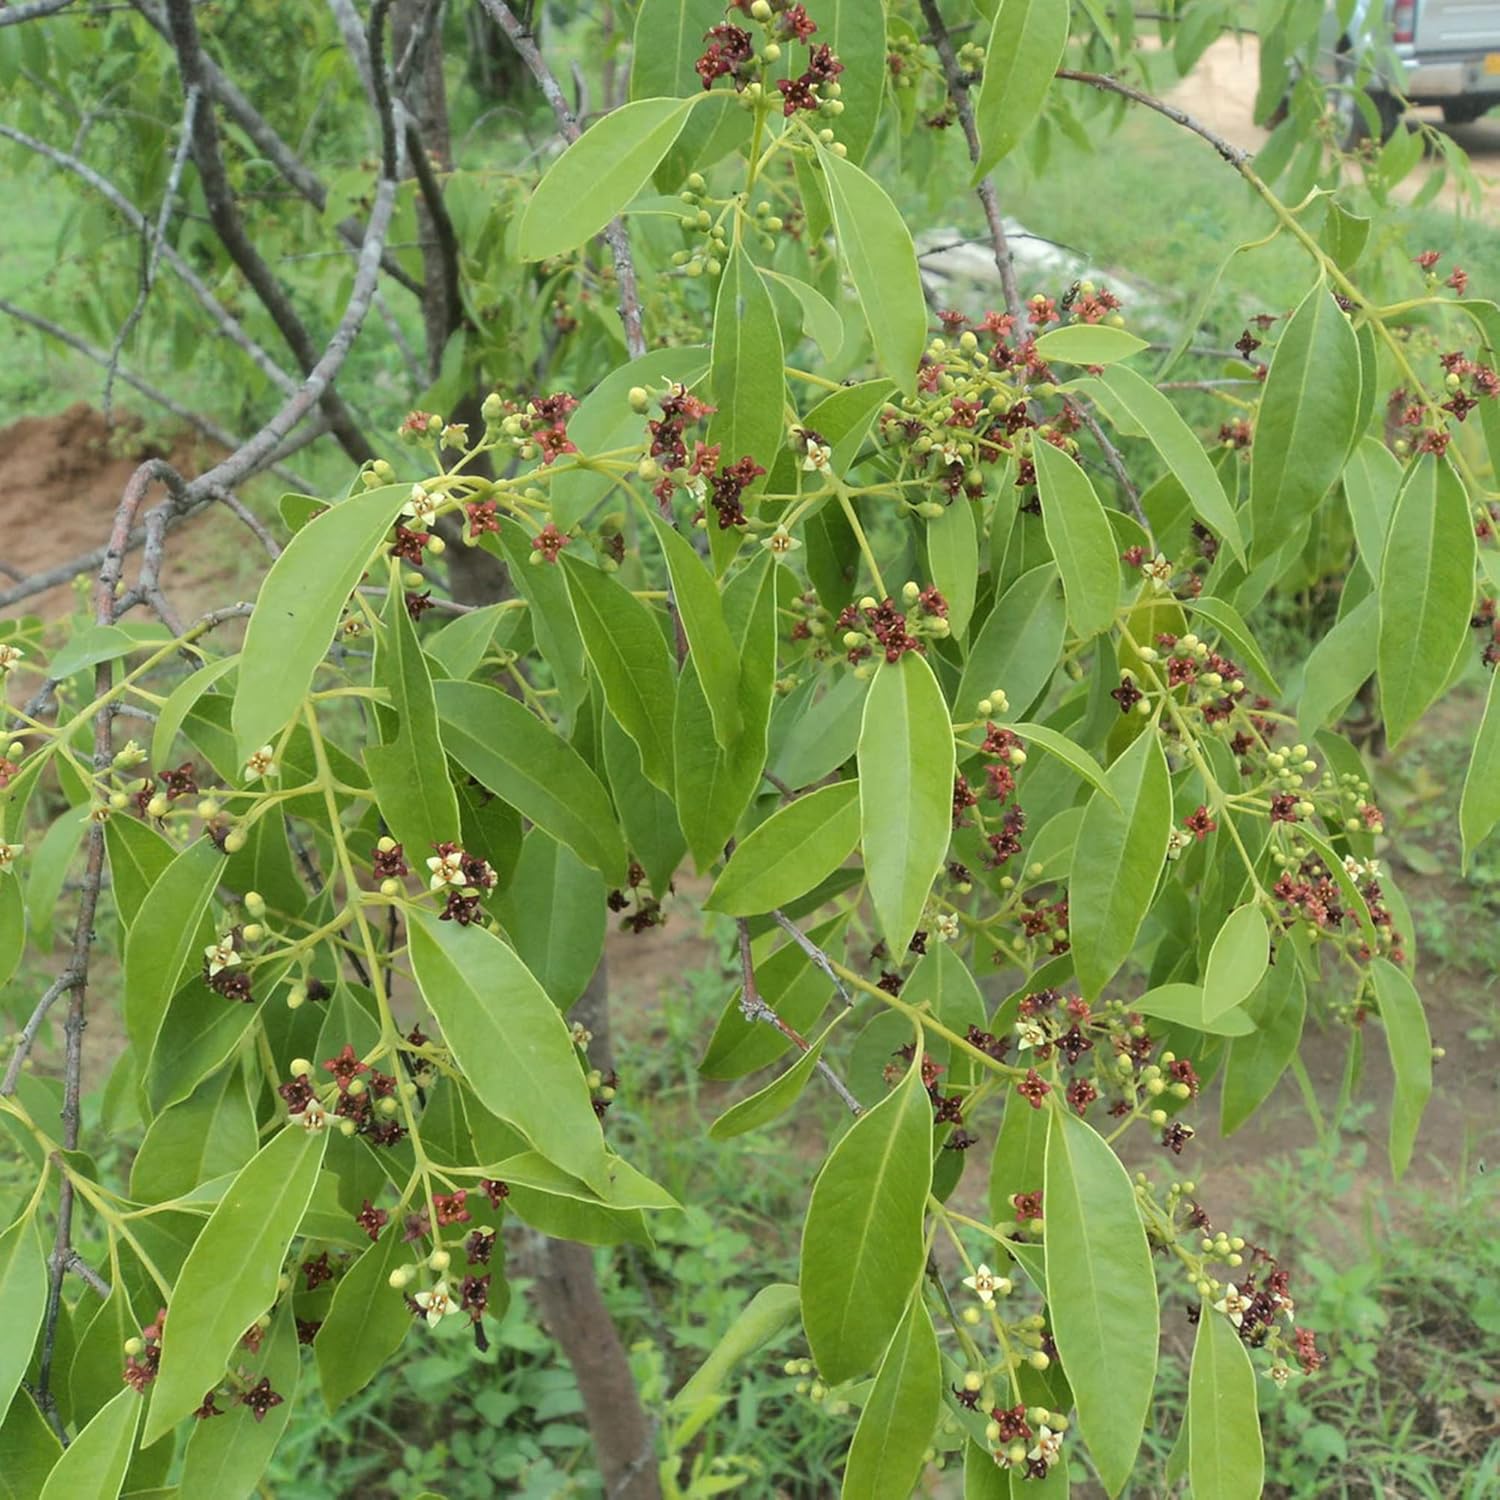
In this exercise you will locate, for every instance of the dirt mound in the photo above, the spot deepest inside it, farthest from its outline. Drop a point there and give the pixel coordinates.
(64, 478)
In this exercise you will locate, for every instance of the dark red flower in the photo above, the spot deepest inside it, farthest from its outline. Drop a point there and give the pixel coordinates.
(261, 1398)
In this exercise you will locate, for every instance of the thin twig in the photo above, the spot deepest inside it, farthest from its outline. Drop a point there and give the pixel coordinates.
(13, 15)
(151, 245)
(85, 1272)
(755, 1007)
(54, 992)
(958, 90)
(1234, 155)
(815, 953)
(615, 234)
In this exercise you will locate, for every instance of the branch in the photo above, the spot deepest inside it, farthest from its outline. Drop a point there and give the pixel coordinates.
(615, 234)
(13, 15)
(815, 953)
(276, 151)
(227, 323)
(209, 428)
(1237, 158)
(958, 89)
(755, 1007)
(225, 215)
(151, 245)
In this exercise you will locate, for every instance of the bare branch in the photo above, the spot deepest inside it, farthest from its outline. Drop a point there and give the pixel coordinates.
(1237, 158)
(958, 90)
(225, 215)
(151, 244)
(86, 1273)
(13, 15)
(54, 992)
(815, 953)
(209, 428)
(615, 234)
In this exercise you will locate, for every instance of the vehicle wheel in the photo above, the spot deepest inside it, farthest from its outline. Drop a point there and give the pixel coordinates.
(1464, 111)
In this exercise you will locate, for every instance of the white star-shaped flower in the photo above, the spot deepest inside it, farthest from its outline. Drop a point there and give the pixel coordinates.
(421, 507)
(817, 459)
(9, 854)
(1030, 1034)
(221, 955)
(9, 656)
(1232, 1305)
(436, 1304)
(1048, 1445)
(262, 763)
(985, 1284)
(312, 1118)
(447, 869)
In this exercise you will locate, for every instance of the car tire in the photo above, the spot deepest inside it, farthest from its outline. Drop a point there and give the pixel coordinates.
(1464, 111)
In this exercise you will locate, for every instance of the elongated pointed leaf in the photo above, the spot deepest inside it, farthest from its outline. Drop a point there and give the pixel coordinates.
(769, 1312)
(167, 939)
(297, 611)
(1225, 1456)
(1018, 646)
(23, 1299)
(1308, 413)
(1025, 48)
(29, 1450)
(746, 379)
(906, 765)
(1338, 666)
(855, 29)
(180, 701)
(1410, 1045)
(630, 656)
(668, 40)
(820, 318)
(1372, 478)
(1237, 961)
(510, 1040)
(795, 848)
(1426, 593)
(507, 749)
(598, 175)
(1101, 1294)
(881, 260)
(1226, 619)
(895, 1427)
(409, 772)
(777, 1097)
(1082, 541)
(229, 1277)
(953, 551)
(1186, 1005)
(702, 612)
(555, 916)
(1256, 1062)
(138, 858)
(1479, 807)
(1110, 892)
(862, 1242)
(94, 1463)
(1076, 759)
(366, 1322)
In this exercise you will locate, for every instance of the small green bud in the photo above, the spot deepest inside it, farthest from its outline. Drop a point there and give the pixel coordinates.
(301, 1067)
(439, 1260)
(640, 398)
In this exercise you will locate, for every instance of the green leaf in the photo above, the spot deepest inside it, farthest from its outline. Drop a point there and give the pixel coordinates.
(1372, 478)
(28, 1450)
(460, 646)
(598, 175)
(230, 1275)
(715, 785)
(297, 611)
(211, 1134)
(953, 551)
(1337, 667)
(167, 939)
(1308, 411)
(507, 749)
(510, 1040)
(1074, 757)
(100, 643)
(23, 1299)
(1426, 593)
(1479, 807)
(630, 656)
(1226, 619)
(138, 858)
(366, 1322)
(12, 926)
(1410, 1045)
(878, 254)
(668, 40)
(795, 848)
(1101, 1293)
(820, 318)
(895, 1427)
(1180, 450)
(745, 376)
(906, 767)
(227, 1455)
(1225, 1457)
(180, 701)
(1019, 644)
(702, 613)
(1256, 1062)
(1237, 961)
(856, 31)
(604, 421)
(769, 1313)
(777, 1097)
(1019, 1161)
(1110, 892)
(95, 1376)
(1089, 344)
(408, 771)
(1025, 49)
(94, 1463)
(554, 916)
(1184, 1005)
(647, 816)
(862, 1252)
(1081, 539)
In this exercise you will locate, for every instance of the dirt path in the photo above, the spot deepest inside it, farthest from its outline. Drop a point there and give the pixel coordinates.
(1220, 92)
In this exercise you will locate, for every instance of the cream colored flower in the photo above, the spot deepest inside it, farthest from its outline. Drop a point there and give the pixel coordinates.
(1030, 1035)
(436, 1304)
(221, 955)
(9, 656)
(1159, 571)
(817, 459)
(1232, 1305)
(262, 763)
(780, 542)
(947, 927)
(312, 1118)
(1048, 1446)
(9, 854)
(447, 869)
(985, 1284)
(421, 507)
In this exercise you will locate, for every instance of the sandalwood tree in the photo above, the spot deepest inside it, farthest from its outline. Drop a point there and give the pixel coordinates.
(922, 638)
